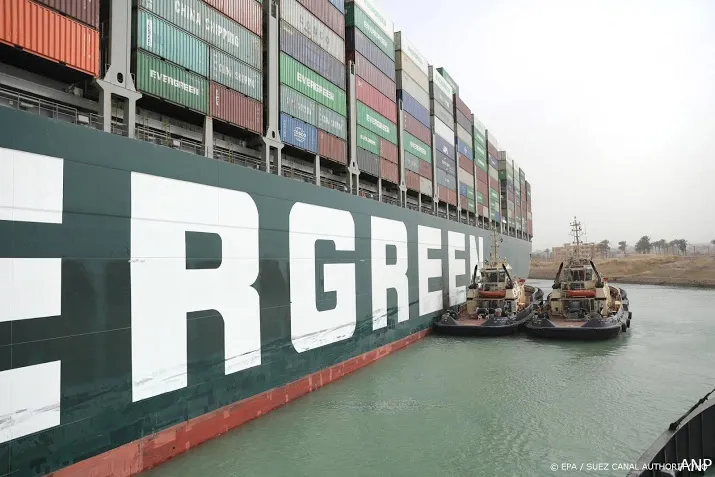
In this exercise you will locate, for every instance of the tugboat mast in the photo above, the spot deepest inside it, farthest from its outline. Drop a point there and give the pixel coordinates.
(495, 246)
(576, 230)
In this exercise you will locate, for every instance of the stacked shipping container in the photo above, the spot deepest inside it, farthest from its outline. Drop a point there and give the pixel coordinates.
(517, 198)
(494, 184)
(529, 220)
(370, 43)
(209, 62)
(412, 72)
(506, 177)
(487, 197)
(442, 119)
(313, 99)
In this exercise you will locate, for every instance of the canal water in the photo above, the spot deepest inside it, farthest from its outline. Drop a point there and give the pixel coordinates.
(488, 407)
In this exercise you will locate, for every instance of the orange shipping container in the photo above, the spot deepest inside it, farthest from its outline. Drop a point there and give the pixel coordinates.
(412, 180)
(388, 151)
(388, 171)
(332, 147)
(48, 34)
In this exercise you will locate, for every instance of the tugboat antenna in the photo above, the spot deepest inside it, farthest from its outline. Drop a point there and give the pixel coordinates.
(576, 231)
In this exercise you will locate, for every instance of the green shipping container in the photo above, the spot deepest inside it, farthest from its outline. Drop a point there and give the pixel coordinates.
(238, 76)
(502, 174)
(480, 198)
(354, 16)
(470, 204)
(482, 163)
(417, 148)
(376, 123)
(166, 41)
(170, 82)
(368, 141)
(493, 214)
(312, 85)
(470, 192)
(494, 195)
(208, 24)
(298, 105)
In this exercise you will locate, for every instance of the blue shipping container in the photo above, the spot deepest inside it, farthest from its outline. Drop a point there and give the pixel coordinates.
(339, 4)
(464, 149)
(493, 162)
(446, 164)
(299, 134)
(463, 189)
(443, 146)
(414, 108)
(498, 216)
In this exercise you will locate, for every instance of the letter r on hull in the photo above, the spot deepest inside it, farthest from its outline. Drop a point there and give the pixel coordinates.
(164, 291)
(384, 277)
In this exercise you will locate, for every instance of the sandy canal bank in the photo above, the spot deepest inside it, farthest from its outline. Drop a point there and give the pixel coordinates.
(665, 270)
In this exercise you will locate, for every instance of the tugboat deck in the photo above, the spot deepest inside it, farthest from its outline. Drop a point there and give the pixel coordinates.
(562, 322)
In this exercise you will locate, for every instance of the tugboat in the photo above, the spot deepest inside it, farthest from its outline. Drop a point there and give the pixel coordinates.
(582, 305)
(497, 304)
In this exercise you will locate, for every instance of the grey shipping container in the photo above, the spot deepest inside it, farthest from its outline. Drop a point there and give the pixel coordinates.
(166, 41)
(211, 26)
(405, 82)
(299, 47)
(308, 24)
(464, 135)
(440, 98)
(238, 76)
(463, 121)
(412, 163)
(446, 164)
(370, 73)
(298, 105)
(357, 41)
(403, 62)
(368, 162)
(443, 116)
(414, 108)
(332, 122)
(443, 146)
(446, 179)
(426, 186)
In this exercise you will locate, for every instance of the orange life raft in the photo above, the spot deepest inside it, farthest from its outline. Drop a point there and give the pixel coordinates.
(492, 294)
(581, 293)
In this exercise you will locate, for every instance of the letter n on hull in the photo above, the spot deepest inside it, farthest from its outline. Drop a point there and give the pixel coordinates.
(164, 290)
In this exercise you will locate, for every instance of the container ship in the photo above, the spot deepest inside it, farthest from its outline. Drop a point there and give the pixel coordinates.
(209, 208)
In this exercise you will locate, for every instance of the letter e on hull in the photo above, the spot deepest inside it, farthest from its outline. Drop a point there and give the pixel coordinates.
(429, 238)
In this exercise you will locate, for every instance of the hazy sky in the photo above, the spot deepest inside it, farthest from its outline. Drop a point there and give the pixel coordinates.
(608, 105)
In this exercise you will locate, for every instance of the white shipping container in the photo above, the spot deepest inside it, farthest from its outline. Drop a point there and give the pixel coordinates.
(425, 186)
(493, 173)
(485, 211)
(464, 136)
(440, 82)
(528, 216)
(492, 139)
(376, 15)
(405, 81)
(478, 125)
(443, 131)
(402, 44)
(304, 21)
(466, 177)
(403, 62)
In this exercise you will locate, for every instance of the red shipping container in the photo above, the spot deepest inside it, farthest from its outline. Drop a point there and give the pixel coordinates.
(493, 183)
(388, 171)
(510, 196)
(375, 100)
(452, 197)
(235, 108)
(332, 147)
(326, 13)
(483, 188)
(248, 13)
(425, 169)
(465, 163)
(482, 176)
(371, 74)
(417, 129)
(412, 180)
(48, 34)
(443, 193)
(388, 151)
(528, 187)
(86, 11)
(459, 104)
(463, 203)
(492, 150)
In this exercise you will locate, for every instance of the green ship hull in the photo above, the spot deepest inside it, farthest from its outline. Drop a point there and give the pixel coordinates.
(154, 299)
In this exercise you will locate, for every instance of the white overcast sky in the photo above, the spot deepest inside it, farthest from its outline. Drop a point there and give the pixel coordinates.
(608, 105)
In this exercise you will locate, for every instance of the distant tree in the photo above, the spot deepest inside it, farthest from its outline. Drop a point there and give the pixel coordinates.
(682, 246)
(603, 247)
(643, 245)
(712, 241)
(622, 247)
(673, 244)
(660, 246)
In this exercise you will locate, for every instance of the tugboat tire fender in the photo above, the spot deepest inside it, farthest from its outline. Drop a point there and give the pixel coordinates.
(623, 327)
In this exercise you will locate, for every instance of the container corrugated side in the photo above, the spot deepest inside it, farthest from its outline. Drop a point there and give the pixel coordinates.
(443, 146)
(355, 16)
(465, 163)
(449, 80)
(332, 122)
(328, 14)
(382, 22)
(389, 151)
(368, 71)
(426, 186)
(412, 162)
(235, 108)
(299, 133)
(406, 65)
(463, 121)
(481, 164)
(426, 169)
(442, 130)
(493, 162)
(471, 205)
(298, 105)
(493, 173)
(441, 85)
(464, 136)
(377, 101)
(46, 33)
(248, 13)
(356, 40)
(412, 180)
(170, 82)
(416, 128)
(299, 47)
(368, 140)
(368, 162)
(405, 82)
(480, 128)
(309, 83)
(491, 149)
(305, 22)
(171, 43)
(238, 76)
(339, 4)
(483, 188)
(199, 19)
(332, 147)
(463, 149)
(482, 176)
(403, 44)
(465, 176)
(414, 108)
(84, 11)
(375, 122)
(446, 164)
(389, 171)
(416, 147)
(461, 107)
(443, 116)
